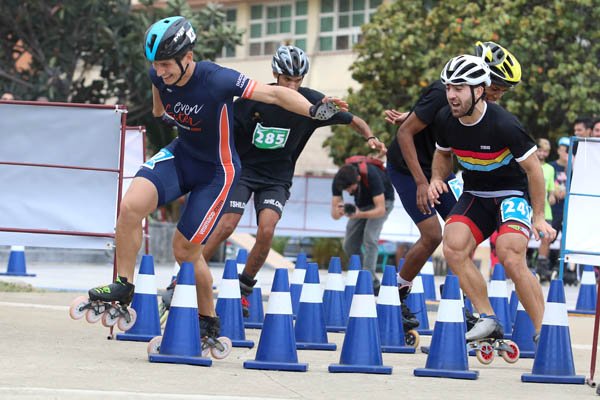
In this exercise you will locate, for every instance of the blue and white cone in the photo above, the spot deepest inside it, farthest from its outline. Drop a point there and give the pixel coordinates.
(513, 305)
(310, 330)
(334, 302)
(400, 265)
(256, 312)
(181, 340)
(523, 333)
(416, 302)
(361, 351)
(428, 280)
(145, 304)
(498, 294)
(389, 315)
(447, 356)
(298, 281)
(554, 357)
(354, 266)
(277, 345)
(586, 299)
(229, 307)
(16, 262)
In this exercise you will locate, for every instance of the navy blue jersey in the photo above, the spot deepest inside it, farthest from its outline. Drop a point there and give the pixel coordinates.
(269, 139)
(203, 109)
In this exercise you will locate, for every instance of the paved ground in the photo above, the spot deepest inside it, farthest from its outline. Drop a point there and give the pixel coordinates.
(45, 355)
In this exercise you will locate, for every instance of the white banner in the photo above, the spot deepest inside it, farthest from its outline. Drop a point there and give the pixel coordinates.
(59, 169)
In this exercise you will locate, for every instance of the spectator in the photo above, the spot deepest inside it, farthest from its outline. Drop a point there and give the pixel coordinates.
(7, 96)
(596, 128)
(543, 262)
(582, 127)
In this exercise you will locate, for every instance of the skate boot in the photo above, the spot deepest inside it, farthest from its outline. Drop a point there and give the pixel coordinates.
(210, 328)
(376, 287)
(487, 337)
(570, 275)
(543, 270)
(246, 288)
(409, 320)
(470, 319)
(99, 305)
(166, 296)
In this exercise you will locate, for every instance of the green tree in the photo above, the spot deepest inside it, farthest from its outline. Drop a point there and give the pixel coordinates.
(91, 51)
(407, 43)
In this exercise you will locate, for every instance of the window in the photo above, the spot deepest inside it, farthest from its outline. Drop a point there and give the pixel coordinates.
(340, 22)
(230, 19)
(274, 24)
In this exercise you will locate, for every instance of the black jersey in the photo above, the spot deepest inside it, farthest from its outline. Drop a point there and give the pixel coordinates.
(432, 99)
(489, 150)
(269, 139)
(379, 183)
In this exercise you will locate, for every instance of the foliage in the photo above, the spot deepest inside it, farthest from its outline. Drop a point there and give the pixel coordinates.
(325, 248)
(279, 243)
(90, 51)
(407, 43)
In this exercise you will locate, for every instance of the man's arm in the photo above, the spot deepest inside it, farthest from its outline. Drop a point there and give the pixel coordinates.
(157, 106)
(537, 192)
(290, 99)
(360, 126)
(440, 169)
(337, 207)
(377, 212)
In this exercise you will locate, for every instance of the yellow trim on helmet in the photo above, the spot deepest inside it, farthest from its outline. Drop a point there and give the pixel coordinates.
(506, 70)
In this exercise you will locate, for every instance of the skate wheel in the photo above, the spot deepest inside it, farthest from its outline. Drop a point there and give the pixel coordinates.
(77, 309)
(511, 356)
(154, 345)
(227, 346)
(412, 338)
(122, 323)
(109, 318)
(485, 353)
(205, 349)
(92, 316)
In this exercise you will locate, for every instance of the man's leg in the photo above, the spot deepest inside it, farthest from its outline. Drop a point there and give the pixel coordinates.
(511, 249)
(224, 229)
(267, 221)
(139, 201)
(354, 237)
(186, 251)
(371, 233)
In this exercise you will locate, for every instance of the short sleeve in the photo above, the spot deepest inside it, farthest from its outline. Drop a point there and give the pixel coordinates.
(439, 129)
(227, 83)
(376, 185)
(520, 144)
(334, 190)
(430, 103)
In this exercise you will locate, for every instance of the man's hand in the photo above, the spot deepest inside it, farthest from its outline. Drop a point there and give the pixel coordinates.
(423, 198)
(436, 188)
(374, 143)
(394, 117)
(327, 107)
(338, 212)
(541, 228)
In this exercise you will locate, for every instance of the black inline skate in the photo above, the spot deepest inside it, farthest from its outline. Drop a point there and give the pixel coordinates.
(544, 271)
(409, 320)
(99, 305)
(487, 337)
(210, 329)
(570, 275)
(246, 288)
(166, 295)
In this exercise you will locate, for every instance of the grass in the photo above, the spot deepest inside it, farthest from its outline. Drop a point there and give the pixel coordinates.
(16, 287)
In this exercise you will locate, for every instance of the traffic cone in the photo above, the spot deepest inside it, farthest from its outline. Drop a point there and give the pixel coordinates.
(256, 312)
(447, 356)
(428, 280)
(513, 305)
(354, 266)
(523, 332)
(310, 330)
(277, 344)
(361, 351)
(333, 298)
(389, 315)
(298, 281)
(16, 262)
(229, 307)
(554, 357)
(180, 343)
(586, 299)
(145, 303)
(400, 265)
(416, 302)
(498, 294)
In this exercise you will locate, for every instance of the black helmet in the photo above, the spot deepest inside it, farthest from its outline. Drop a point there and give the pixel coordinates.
(168, 38)
(290, 60)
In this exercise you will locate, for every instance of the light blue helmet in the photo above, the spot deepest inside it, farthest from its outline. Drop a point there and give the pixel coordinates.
(169, 38)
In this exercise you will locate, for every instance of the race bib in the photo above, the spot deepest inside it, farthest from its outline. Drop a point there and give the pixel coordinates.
(456, 185)
(516, 209)
(162, 155)
(269, 138)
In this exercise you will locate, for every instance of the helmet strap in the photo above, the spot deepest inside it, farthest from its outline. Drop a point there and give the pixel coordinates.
(183, 70)
(473, 102)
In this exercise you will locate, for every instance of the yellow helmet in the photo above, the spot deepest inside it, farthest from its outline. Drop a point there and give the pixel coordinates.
(504, 67)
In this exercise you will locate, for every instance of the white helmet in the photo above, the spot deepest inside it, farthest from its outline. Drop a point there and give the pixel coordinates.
(466, 70)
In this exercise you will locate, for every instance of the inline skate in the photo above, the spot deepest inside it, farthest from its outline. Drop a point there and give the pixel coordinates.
(218, 346)
(166, 296)
(246, 288)
(487, 337)
(409, 320)
(99, 305)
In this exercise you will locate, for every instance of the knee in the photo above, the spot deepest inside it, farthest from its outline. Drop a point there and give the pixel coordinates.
(183, 253)
(431, 240)
(226, 227)
(265, 232)
(129, 212)
(454, 254)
